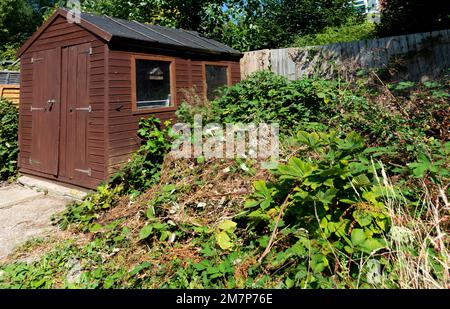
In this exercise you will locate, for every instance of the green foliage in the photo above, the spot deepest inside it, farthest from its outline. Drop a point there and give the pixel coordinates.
(434, 165)
(266, 97)
(135, 177)
(396, 16)
(8, 53)
(71, 265)
(175, 13)
(17, 21)
(255, 24)
(9, 121)
(331, 207)
(144, 167)
(351, 31)
(82, 214)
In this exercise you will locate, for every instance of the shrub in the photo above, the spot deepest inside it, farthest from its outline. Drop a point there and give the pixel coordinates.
(143, 169)
(192, 105)
(9, 120)
(266, 97)
(134, 178)
(351, 31)
(324, 207)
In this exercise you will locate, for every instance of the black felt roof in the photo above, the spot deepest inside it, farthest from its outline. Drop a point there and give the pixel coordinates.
(157, 35)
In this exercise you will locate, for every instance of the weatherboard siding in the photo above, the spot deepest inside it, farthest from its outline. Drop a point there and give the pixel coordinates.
(123, 123)
(58, 35)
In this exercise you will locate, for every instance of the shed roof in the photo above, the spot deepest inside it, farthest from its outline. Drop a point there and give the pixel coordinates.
(111, 29)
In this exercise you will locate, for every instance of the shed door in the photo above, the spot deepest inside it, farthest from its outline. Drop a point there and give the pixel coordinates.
(45, 111)
(75, 111)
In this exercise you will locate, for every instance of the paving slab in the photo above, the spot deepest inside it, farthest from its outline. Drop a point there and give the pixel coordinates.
(15, 194)
(26, 214)
(52, 187)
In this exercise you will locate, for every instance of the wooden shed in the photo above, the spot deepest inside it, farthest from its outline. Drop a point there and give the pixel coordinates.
(85, 86)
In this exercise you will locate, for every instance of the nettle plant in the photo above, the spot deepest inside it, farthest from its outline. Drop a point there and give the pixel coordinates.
(323, 211)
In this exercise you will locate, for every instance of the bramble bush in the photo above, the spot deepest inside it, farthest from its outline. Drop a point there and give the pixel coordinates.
(360, 198)
(135, 177)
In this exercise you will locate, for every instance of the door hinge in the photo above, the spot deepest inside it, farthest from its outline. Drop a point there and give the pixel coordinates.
(81, 109)
(32, 162)
(32, 109)
(33, 60)
(89, 51)
(88, 171)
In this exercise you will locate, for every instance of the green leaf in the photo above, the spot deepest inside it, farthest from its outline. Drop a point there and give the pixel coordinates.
(372, 244)
(150, 213)
(362, 217)
(261, 189)
(227, 226)
(361, 181)
(296, 168)
(318, 263)
(327, 196)
(139, 268)
(224, 241)
(358, 237)
(145, 232)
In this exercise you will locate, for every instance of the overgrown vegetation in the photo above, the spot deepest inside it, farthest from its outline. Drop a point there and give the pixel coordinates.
(141, 172)
(359, 200)
(353, 30)
(9, 119)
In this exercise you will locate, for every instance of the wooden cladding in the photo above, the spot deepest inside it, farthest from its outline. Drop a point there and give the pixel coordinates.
(78, 107)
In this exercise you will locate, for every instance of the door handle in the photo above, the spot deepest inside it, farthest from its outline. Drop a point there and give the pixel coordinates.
(50, 104)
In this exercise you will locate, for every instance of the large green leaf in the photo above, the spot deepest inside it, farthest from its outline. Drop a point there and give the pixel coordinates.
(224, 241)
(145, 232)
(227, 226)
(296, 169)
(358, 237)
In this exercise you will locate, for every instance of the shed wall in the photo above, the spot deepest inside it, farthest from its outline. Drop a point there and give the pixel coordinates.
(58, 35)
(123, 122)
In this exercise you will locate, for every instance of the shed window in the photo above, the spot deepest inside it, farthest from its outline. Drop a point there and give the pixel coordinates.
(153, 87)
(216, 77)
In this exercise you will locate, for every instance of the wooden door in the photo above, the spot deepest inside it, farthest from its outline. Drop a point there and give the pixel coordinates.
(45, 112)
(75, 112)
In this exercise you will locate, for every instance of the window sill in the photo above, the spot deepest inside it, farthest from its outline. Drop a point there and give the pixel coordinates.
(154, 110)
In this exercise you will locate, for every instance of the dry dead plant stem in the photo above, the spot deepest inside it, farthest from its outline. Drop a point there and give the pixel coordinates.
(275, 229)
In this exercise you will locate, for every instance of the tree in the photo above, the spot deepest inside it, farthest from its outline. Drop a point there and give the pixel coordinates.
(17, 21)
(184, 14)
(412, 16)
(256, 24)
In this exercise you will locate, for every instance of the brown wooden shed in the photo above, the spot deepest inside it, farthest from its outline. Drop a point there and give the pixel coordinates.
(85, 85)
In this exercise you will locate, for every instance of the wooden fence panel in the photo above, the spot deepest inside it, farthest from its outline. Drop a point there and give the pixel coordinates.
(423, 56)
(10, 92)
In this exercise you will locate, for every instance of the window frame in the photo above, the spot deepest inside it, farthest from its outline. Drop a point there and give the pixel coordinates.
(213, 63)
(173, 86)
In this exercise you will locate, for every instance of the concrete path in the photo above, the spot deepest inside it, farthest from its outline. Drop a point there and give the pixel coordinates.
(25, 214)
